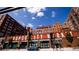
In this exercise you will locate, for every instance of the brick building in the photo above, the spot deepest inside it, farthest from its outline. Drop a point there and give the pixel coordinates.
(72, 23)
(66, 35)
(45, 36)
(10, 27)
(73, 19)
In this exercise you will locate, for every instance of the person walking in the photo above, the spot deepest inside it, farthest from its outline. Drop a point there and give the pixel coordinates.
(2, 44)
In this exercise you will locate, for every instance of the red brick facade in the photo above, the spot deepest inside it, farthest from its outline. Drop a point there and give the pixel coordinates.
(45, 35)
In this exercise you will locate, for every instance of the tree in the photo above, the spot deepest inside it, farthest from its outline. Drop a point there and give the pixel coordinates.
(69, 37)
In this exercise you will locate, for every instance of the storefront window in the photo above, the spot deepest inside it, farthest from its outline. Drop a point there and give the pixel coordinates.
(14, 45)
(34, 44)
(44, 36)
(44, 44)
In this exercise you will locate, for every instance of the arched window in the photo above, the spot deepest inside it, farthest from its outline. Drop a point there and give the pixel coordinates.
(44, 36)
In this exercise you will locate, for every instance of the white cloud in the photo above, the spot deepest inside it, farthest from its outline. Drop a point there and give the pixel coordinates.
(33, 18)
(53, 14)
(15, 12)
(24, 9)
(22, 23)
(40, 25)
(29, 25)
(40, 14)
(35, 9)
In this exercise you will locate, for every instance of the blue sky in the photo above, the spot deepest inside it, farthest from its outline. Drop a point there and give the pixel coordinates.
(40, 16)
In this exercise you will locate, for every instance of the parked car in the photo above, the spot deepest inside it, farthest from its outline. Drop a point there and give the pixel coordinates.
(33, 48)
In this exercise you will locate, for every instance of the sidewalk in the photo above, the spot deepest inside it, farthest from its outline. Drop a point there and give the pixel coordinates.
(14, 50)
(47, 49)
(62, 49)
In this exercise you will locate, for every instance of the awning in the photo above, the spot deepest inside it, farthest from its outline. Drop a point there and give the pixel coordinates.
(34, 40)
(44, 40)
(58, 38)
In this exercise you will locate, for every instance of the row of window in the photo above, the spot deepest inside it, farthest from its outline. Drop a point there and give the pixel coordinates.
(47, 31)
(42, 45)
(46, 36)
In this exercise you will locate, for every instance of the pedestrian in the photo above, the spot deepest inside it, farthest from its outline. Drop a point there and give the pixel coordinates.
(53, 46)
(57, 46)
(2, 43)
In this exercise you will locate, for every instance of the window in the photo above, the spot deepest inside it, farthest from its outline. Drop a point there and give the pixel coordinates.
(1, 34)
(38, 36)
(7, 22)
(33, 37)
(3, 30)
(44, 44)
(44, 36)
(75, 34)
(6, 25)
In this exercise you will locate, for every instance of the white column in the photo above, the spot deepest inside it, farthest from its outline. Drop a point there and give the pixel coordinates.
(71, 33)
(62, 35)
(48, 35)
(16, 38)
(19, 38)
(41, 36)
(25, 37)
(58, 35)
(22, 37)
(34, 37)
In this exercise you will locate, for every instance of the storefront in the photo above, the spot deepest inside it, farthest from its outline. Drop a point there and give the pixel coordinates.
(23, 45)
(20, 42)
(57, 41)
(14, 45)
(44, 43)
(34, 43)
(6, 45)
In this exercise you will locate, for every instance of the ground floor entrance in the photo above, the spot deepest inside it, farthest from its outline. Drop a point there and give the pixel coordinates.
(23, 45)
(44, 44)
(56, 43)
(5, 45)
(14, 45)
(34, 44)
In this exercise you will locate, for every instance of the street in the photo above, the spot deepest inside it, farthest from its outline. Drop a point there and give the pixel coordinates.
(48, 49)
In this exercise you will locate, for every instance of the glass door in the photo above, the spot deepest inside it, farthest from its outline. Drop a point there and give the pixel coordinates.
(44, 44)
(14, 45)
